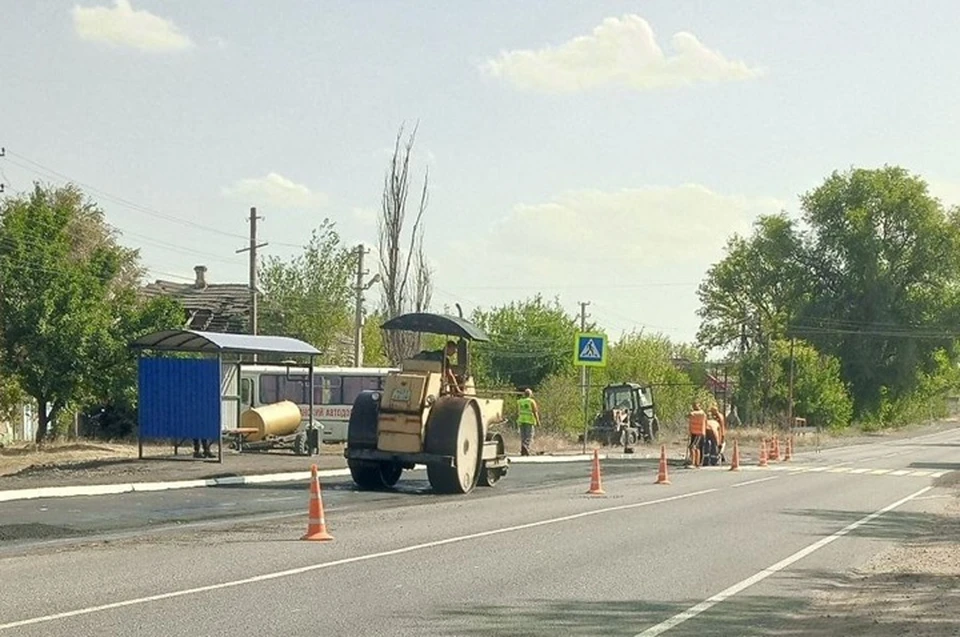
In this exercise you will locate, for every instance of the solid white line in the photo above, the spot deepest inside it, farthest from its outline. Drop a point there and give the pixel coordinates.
(693, 611)
(743, 484)
(348, 560)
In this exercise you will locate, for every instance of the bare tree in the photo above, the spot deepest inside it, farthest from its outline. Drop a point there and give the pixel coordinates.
(400, 258)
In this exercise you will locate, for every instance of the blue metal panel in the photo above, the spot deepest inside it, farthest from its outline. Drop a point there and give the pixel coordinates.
(179, 398)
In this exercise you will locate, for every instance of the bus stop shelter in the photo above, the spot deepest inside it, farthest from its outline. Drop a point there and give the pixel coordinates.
(183, 397)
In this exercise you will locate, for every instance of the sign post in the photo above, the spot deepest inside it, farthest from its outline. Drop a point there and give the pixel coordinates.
(590, 350)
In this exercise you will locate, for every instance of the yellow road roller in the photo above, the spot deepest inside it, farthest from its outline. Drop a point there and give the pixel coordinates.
(428, 413)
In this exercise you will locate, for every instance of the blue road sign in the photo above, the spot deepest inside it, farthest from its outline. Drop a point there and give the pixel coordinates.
(590, 349)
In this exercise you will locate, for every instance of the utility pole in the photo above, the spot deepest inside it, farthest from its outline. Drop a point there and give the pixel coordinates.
(583, 376)
(3, 153)
(252, 249)
(359, 288)
(790, 414)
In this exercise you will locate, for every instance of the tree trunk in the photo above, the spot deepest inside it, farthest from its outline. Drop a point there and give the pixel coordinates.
(43, 421)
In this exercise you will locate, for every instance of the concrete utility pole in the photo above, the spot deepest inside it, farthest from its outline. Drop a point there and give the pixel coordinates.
(358, 320)
(252, 249)
(583, 374)
(3, 153)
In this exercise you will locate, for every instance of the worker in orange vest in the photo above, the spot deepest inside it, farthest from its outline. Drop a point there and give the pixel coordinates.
(697, 420)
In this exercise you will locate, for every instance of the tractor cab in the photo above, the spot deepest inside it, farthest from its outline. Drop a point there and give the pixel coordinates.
(629, 396)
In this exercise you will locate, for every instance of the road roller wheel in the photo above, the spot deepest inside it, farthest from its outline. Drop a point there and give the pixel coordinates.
(489, 476)
(454, 430)
(362, 427)
(374, 476)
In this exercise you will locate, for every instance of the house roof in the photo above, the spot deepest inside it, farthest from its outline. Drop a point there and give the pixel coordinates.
(209, 308)
(222, 343)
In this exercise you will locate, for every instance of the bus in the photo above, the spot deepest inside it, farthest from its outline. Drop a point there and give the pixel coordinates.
(334, 390)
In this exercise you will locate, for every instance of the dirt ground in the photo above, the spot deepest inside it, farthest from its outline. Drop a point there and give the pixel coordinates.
(911, 590)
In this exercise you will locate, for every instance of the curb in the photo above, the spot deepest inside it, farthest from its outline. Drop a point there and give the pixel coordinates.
(294, 476)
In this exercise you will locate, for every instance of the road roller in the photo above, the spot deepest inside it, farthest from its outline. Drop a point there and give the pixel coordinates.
(428, 413)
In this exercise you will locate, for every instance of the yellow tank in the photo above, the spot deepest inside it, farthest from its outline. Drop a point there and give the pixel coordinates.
(275, 419)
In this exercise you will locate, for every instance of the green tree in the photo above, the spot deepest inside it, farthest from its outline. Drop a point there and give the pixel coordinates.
(310, 296)
(530, 340)
(374, 345)
(885, 259)
(751, 293)
(819, 393)
(63, 280)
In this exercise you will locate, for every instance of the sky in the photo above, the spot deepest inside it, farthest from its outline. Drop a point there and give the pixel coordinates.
(593, 151)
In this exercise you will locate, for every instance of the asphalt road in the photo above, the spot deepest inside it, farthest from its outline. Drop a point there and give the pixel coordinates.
(534, 556)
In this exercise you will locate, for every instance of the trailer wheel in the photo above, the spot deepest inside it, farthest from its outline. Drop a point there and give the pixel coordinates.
(489, 476)
(454, 429)
(374, 476)
(300, 445)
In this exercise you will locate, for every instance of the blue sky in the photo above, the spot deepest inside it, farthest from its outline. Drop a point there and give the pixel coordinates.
(608, 169)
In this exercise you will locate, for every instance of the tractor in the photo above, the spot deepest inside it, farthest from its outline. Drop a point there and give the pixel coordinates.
(627, 416)
(428, 413)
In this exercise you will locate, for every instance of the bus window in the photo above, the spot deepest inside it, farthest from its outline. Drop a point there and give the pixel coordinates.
(353, 385)
(246, 391)
(327, 390)
(274, 388)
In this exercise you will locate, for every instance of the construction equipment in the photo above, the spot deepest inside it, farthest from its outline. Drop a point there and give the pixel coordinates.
(272, 426)
(420, 418)
(627, 417)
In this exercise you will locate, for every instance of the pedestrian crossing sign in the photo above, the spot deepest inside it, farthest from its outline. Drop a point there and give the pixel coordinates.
(590, 350)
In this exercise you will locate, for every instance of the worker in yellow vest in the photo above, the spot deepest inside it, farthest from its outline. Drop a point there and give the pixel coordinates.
(528, 417)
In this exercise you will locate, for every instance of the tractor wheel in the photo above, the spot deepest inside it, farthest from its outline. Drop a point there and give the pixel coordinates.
(489, 476)
(453, 429)
(374, 476)
(362, 427)
(653, 429)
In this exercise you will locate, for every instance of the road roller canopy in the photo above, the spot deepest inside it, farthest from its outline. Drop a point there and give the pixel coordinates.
(443, 324)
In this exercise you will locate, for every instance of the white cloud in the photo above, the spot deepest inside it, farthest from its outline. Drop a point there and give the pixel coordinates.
(125, 26)
(643, 226)
(619, 52)
(275, 190)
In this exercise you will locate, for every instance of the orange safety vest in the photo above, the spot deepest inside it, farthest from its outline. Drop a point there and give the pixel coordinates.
(698, 422)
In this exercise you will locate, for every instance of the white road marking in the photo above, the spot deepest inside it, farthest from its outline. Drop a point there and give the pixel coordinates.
(349, 560)
(743, 484)
(920, 474)
(705, 605)
(840, 470)
(899, 472)
(860, 470)
(880, 472)
(938, 474)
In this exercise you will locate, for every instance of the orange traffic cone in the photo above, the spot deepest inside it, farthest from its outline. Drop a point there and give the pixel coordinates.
(316, 524)
(763, 454)
(735, 462)
(789, 451)
(776, 448)
(596, 487)
(662, 473)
